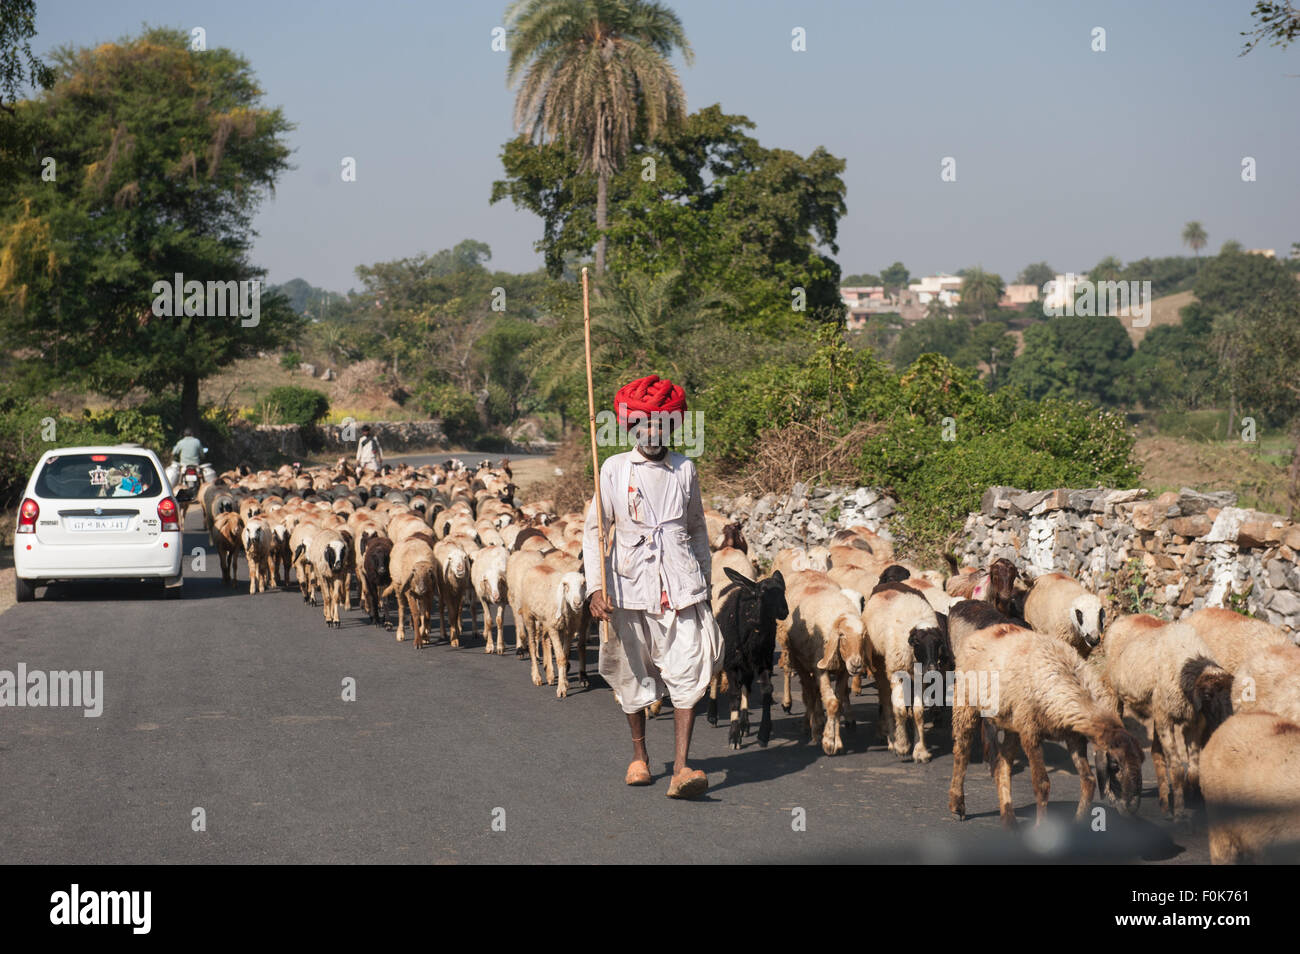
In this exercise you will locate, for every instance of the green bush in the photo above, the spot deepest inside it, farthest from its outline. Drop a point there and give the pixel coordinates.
(992, 438)
(455, 408)
(290, 360)
(25, 424)
(290, 404)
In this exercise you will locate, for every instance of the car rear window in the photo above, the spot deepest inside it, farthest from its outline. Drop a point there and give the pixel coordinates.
(82, 476)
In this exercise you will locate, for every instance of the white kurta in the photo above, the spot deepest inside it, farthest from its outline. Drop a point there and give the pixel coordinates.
(665, 637)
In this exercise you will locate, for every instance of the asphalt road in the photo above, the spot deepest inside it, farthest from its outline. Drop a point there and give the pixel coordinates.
(234, 704)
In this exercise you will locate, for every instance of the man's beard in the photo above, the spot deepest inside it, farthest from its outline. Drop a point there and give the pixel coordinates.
(652, 451)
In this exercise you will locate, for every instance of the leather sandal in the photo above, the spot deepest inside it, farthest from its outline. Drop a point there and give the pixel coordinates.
(638, 773)
(691, 783)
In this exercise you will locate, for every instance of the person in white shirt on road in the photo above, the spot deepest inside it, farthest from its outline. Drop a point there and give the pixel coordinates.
(665, 639)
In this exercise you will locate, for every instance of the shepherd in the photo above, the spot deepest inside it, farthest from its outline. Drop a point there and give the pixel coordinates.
(665, 639)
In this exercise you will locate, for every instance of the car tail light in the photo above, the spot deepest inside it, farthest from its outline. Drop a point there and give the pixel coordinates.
(27, 515)
(168, 514)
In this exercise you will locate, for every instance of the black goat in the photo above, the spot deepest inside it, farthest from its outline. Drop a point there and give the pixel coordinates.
(747, 617)
(375, 568)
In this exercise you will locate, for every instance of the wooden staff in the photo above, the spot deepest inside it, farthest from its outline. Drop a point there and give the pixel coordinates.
(595, 459)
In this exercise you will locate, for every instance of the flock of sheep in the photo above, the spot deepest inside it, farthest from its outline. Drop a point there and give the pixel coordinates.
(1019, 661)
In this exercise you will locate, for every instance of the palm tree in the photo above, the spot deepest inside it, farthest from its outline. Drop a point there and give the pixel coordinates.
(981, 291)
(1195, 237)
(592, 73)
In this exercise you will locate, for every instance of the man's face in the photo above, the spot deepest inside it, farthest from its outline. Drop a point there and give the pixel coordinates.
(653, 434)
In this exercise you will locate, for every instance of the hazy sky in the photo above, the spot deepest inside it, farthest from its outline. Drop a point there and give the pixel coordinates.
(1062, 153)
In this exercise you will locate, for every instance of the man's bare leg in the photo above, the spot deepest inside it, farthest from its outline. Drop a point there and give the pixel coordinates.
(636, 721)
(683, 725)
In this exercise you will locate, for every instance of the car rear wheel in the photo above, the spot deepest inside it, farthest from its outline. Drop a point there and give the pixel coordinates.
(25, 590)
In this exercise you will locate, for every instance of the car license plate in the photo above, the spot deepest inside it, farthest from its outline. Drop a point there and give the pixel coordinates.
(94, 524)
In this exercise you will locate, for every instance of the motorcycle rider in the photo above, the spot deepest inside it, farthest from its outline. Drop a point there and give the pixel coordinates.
(189, 449)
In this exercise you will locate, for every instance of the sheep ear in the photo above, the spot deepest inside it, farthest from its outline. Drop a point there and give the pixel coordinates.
(779, 578)
(735, 577)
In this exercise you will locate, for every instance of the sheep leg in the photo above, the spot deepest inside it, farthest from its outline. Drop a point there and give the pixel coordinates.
(885, 720)
(456, 610)
(1038, 773)
(831, 692)
(1192, 746)
(1162, 770)
(964, 721)
(534, 650)
(744, 703)
(1004, 755)
(920, 753)
(765, 723)
(584, 629)
(735, 696)
(856, 687)
(487, 626)
(1171, 742)
(846, 707)
(1078, 748)
(712, 712)
(812, 714)
(560, 650)
(442, 611)
(401, 598)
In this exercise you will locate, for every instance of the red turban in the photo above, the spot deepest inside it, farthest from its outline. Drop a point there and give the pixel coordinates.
(648, 394)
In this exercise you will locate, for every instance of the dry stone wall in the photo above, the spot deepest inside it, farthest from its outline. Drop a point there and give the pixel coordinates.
(1190, 549)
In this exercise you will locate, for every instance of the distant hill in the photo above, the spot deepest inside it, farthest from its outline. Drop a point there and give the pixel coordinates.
(307, 299)
(1164, 311)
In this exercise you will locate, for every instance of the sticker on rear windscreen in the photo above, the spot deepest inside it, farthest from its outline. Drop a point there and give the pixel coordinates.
(99, 477)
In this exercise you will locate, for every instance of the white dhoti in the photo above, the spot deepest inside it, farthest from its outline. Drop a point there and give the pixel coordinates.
(650, 654)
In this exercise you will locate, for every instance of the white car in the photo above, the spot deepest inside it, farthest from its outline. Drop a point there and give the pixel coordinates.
(96, 513)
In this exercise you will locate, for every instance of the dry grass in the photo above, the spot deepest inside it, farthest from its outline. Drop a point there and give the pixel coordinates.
(1170, 463)
(573, 486)
(799, 452)
(1164, 311)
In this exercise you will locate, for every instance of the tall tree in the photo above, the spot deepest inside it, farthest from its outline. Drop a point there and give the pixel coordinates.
(1038, 274)
(162, 156)
(1195, 237)
(590, 74)
(980, 292)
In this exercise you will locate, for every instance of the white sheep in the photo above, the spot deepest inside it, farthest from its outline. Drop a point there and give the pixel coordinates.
(824, 642)
(488, 576)
(904, 641)
(1062, 607)
(553, 605)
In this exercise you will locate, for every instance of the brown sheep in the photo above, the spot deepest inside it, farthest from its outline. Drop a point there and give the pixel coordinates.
(226, 530)
(1251, 780)
(1164, 674)
(413, 569)
(1233, 638)
(1062, 607)
(1034, 693)
(1269, 681)
(823, 639)
(454, 586)
(1000, 586)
